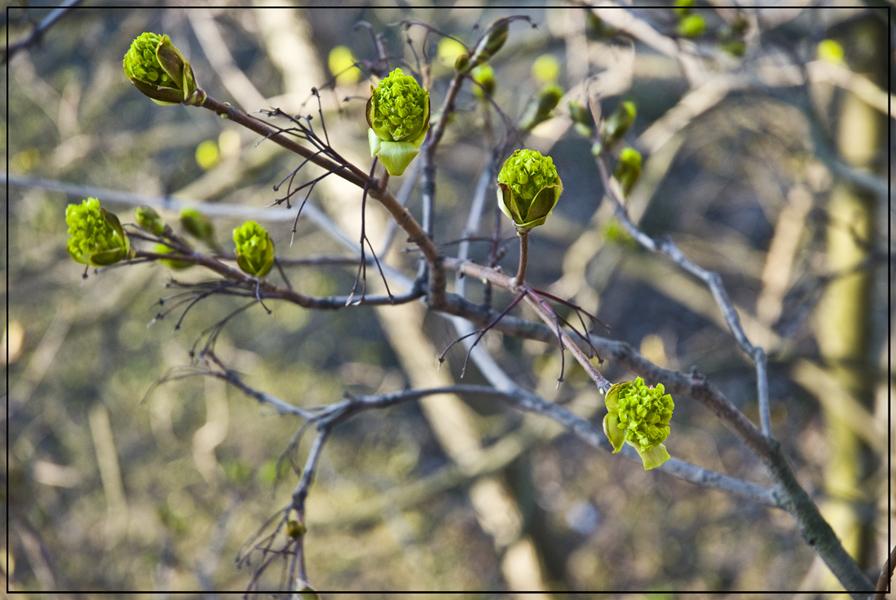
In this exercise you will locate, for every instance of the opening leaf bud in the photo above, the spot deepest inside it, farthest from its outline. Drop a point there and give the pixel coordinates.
(398, 115)
(95, 235)
(158, 69)
(528, 188)
(254, 249)
(639, 416)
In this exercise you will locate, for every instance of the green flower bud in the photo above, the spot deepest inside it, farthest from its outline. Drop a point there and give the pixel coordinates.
(639, 415)
(158, 69)
(294, 529)
(628, 169)
(691, 26)
(198, 225)
(528, 188)
(484, 75)
(491, 42)
(614, 127)
(548, 98)
(581, 118)
(254, 249)
(831, 51)
(546, 69)
(579, 113)
(149, 219)
(398, 115)
(171, 263)
(95, 235)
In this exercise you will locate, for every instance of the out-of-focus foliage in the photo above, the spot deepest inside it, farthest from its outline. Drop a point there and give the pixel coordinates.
(116, 483)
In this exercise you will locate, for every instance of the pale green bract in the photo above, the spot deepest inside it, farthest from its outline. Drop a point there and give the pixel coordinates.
(398, 115)
(639, 415)
(528, 188)
(254, 249)
(95, 235)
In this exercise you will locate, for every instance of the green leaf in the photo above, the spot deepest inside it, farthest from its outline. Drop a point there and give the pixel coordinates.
(654, 457)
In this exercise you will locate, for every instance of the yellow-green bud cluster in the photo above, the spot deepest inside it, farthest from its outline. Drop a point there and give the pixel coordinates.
(254, 249)
(398, 115)
(528, 188)
(95, 235)
(400, 108)
(639, 415)
(142, 63)
(159, 71)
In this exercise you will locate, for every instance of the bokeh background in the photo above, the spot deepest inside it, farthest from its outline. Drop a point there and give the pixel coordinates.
(765, 162)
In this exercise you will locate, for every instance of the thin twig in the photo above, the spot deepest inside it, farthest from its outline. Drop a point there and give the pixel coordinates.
(38, 32)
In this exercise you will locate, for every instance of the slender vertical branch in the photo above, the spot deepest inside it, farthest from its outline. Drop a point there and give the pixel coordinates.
(815, 530)
(524, 257)
(710, 278)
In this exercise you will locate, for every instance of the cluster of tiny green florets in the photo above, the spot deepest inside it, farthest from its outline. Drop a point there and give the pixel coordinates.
(92, 233)
(142, 63)
(254, 249)
(644, 412)
(527, 172)
(399, 107)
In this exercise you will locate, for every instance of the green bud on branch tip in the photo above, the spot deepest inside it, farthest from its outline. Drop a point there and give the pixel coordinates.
(158, 69)
(398, 115)
(628, 169)
(639, 416)
(614, 127)
(484, 75)
(548, 98)
(254, 249)
(197, 224)
(491, 42)
(95, 235)
(528, 188)
(691, 26)
(149, 219)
